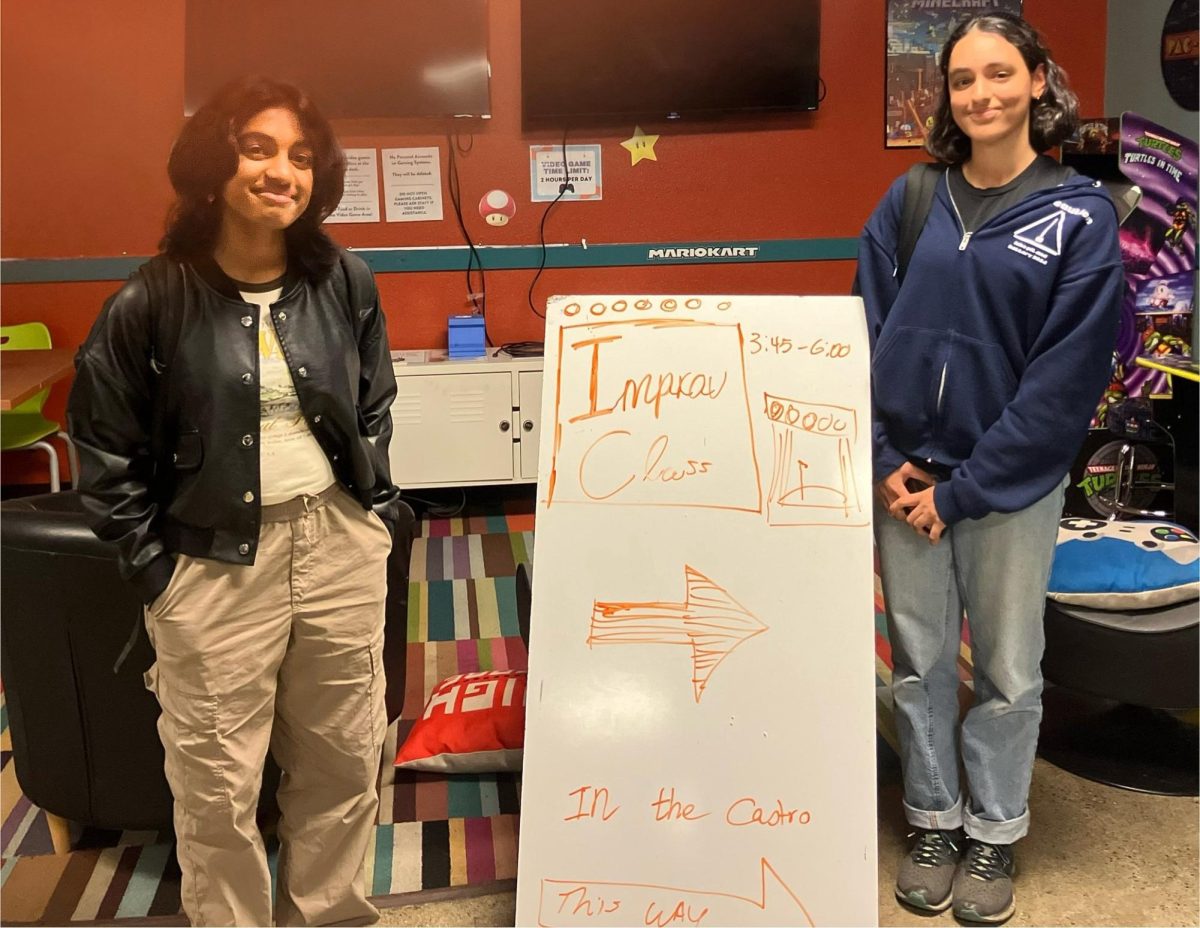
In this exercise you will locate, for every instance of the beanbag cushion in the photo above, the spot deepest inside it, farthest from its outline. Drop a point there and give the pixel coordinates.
(472, 723)
(1124, 565)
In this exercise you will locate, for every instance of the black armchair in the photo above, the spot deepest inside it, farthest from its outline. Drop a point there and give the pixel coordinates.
(85, 745)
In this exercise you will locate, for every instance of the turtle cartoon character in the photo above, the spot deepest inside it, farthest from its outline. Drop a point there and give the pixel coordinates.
(1155, 342)
(1183, 217)
(1114, 394)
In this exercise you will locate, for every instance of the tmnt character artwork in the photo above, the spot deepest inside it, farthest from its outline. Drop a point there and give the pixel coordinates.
(1183, 218)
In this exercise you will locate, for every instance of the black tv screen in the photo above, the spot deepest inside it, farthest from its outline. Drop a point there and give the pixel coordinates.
(604, 59)
(357, 58)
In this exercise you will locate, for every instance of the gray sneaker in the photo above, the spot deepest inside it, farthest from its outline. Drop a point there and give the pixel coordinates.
(983, 887)
(927, 873)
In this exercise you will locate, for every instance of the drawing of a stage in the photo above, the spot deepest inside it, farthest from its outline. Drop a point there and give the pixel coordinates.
(813, 480)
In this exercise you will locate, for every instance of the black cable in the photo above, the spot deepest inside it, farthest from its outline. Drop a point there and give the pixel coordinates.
(565, 186)
(522, 349)
(473, 255)
(452, 184)
(823, 90)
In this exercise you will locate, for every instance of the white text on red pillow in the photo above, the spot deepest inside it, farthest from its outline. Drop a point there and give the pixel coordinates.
(476, 692)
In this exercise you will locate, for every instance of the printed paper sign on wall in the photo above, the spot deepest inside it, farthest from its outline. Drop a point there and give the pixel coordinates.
(547, 172)
(412, 183)
(360, 194)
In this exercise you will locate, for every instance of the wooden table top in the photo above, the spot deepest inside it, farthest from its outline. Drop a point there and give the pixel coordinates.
(25, 372)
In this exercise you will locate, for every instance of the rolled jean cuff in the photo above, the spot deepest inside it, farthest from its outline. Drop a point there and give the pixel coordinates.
(1007, 832)
(943, 821)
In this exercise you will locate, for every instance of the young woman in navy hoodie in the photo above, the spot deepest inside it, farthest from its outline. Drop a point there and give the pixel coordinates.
(987, 362)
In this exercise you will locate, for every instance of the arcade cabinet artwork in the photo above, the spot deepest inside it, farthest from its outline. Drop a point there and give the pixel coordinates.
(916, 31)
(1151, 173)
(1158, 247)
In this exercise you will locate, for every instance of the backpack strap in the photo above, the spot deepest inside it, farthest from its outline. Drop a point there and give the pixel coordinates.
(1063, 173)
(919, 185)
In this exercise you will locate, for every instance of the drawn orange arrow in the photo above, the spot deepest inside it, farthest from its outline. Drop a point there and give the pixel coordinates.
(594, 902)
(711, 621)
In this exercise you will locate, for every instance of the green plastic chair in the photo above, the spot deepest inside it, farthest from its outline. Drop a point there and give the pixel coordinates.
(25, 428)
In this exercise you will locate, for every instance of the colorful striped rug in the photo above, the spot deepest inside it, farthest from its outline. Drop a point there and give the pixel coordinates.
(435, 833)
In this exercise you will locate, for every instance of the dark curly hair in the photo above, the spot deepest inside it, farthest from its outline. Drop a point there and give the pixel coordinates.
(205, 157)
(1052, 118)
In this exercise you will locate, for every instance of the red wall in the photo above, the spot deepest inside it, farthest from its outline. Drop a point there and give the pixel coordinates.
(92, 97)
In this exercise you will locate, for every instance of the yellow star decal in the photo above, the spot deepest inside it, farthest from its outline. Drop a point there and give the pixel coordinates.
(640, 145)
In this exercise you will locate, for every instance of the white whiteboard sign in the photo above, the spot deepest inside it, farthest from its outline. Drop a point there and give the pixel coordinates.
(700, 737)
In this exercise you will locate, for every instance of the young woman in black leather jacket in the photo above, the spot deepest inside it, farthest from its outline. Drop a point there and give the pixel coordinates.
(231, 408)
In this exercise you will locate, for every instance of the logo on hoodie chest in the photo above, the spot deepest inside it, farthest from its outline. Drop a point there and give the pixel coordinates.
(1042, 239)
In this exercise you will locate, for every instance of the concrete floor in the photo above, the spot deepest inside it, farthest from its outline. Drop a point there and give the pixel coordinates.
(1096, 856)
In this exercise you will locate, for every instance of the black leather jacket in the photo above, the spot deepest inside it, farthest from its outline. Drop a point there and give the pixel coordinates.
(165, 407)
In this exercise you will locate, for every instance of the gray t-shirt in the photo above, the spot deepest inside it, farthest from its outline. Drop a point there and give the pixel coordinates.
(977, 205)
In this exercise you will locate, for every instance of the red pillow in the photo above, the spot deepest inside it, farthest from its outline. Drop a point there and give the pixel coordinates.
(472, 723)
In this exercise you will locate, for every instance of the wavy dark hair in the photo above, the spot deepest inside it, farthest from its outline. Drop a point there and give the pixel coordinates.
(1052, 117)
(205, 157)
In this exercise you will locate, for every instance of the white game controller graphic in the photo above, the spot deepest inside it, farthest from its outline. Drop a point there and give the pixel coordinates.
(1171, 540)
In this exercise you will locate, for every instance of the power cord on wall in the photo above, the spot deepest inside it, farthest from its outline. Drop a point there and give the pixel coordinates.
(563, 188)
(477, 298)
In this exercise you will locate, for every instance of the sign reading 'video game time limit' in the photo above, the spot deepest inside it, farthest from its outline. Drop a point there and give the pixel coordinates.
(700, 719)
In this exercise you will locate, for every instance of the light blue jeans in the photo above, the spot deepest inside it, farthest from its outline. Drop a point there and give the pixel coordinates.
(997, 568)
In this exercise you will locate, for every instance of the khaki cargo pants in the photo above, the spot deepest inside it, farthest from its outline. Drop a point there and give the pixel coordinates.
(286, 653)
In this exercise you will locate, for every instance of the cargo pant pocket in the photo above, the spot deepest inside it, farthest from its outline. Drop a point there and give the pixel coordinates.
(196, 765)
(365, 713)
(377, 710)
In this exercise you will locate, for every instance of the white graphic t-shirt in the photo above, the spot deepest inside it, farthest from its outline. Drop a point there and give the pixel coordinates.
(291, 462)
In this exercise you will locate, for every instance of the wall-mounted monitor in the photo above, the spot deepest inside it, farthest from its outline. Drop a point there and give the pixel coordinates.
(602, 60)
(357, 58)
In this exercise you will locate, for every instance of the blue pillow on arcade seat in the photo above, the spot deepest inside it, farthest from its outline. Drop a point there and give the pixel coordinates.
(1124, 565)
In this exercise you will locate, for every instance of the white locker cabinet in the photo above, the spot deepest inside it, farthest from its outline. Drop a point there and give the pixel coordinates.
(529, 413)
(465, 423)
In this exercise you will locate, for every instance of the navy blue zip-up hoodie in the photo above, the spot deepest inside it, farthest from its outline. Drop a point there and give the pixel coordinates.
(989, 361)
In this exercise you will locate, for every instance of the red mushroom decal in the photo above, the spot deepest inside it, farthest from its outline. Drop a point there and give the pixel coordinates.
(497, 207)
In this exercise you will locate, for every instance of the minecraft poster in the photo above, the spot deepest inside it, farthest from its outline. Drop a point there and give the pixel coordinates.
(916, 31)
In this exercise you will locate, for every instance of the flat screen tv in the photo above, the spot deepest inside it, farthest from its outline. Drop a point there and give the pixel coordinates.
(600, 60)
(357, 58)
